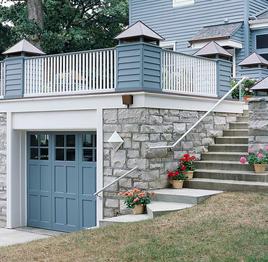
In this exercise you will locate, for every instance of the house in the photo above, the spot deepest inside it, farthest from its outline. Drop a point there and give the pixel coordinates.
(240, 26)
(75, 123)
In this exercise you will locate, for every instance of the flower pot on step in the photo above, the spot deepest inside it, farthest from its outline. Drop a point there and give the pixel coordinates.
(259, 168)
(189, 174)
(246, 98)
(138, 210)
(177, 184)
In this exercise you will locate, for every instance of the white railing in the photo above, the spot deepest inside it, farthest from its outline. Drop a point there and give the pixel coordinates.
(170, 147)
(91, 71)
(2, 79)
(116, 180)
(187, 74)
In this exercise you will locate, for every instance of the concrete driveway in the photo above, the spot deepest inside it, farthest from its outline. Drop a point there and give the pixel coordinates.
(23, 235)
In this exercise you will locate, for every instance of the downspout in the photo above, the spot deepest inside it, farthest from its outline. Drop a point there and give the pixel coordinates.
(246, 27)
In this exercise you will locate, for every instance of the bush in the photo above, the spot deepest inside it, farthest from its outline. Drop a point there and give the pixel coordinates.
(245, 90)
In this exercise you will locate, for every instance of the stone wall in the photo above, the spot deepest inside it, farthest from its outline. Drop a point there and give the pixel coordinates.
(258, 122)
(141, 128)
(2, 165)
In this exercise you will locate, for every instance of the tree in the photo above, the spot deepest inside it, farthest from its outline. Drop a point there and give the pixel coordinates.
(65, 25)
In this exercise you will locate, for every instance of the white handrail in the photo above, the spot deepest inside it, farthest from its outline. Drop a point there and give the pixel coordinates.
(127, 173)
(201, 119)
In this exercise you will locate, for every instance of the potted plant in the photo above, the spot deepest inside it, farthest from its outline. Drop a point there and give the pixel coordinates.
(136, 199)
(186, 165)
(246, 91)
(258, 160)
(176, 178)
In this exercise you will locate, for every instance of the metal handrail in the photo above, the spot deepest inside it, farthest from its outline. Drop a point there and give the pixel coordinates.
(201, 119)
(127, 173)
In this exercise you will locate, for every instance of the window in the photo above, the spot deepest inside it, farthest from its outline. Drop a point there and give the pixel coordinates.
(169, 45)
(179, 3)
(65, 148)
(262, 41)
(89, 147)
(39, 144)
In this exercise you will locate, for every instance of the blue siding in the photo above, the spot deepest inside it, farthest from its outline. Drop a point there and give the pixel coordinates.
(255, 73)
(256, 6)
(224, 76)
(14, 77)
(139, 67)
(180, 24)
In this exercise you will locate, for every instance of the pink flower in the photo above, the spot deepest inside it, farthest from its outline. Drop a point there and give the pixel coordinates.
(251, 150)
(136, 199)
(260, 147)
(243, 160)
(260, 155)
(266, 148)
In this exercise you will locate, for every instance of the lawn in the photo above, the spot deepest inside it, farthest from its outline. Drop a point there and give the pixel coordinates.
(227, 227)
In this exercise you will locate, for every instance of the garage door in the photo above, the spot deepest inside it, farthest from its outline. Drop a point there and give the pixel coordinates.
(61, 180)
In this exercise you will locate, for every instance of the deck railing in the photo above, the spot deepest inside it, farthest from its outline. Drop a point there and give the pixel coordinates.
(2, 79)
(187, 74)
(83, 72)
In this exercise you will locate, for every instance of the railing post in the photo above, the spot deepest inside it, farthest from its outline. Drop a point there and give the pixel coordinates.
(138, 67)
(224, 72)
(14, 68)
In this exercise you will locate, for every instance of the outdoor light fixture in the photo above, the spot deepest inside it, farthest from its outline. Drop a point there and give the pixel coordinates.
(127, 100)
(115, 141)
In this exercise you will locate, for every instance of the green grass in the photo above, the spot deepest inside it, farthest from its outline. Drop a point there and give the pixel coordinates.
(228, 227)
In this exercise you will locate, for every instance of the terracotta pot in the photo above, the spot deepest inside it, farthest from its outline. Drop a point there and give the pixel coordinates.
(259, 168)
(177, 184)
(189, 174)
(138, 210)
(246, 98)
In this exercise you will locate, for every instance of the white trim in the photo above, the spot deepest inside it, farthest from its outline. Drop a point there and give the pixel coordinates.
(230, 43)
(258, 24)
(168, 44)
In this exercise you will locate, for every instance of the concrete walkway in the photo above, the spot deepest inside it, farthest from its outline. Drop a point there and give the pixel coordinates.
(23, 235)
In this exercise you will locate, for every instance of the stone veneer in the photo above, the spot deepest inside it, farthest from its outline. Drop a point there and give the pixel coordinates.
(141, 128)
(2, 165)
(258, 122)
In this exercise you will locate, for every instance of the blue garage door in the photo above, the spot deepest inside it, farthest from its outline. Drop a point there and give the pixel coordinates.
(61, 180)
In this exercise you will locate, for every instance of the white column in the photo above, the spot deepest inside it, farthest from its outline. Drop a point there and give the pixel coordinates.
(234, 64)
(16, 178)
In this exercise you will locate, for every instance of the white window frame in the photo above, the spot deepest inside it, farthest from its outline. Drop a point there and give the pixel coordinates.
(181, 3)
(168, 44)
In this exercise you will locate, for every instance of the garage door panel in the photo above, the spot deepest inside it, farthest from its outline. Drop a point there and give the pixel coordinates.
(45, 178)
(34, 207)
(72, 212)
(34, 177)
(71, 179)
(45, 204)
(60, 210)
(88, 213)
(88, 180)
(59, 179)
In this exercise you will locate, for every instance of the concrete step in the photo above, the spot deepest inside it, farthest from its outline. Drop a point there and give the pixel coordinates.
(123, 219)
(235, 132)
(239, 125)
(242, 119)
(222, 165)
(185, 195)
(227, 185)
(231, 175)
(224, 156)
(228, 148)
(231, 140)
(158, 208)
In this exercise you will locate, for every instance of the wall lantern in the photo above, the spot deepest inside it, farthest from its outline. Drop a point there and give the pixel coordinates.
(127, 100)
(115, 141)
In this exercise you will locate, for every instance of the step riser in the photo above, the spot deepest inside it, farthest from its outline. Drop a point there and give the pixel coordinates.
(238, 125)
(223, 166)
(226, 187)
(237, 177)
(235, 133)
(180, 199)
(242, 119)
(215, 148)
(229, 140)
(211, 157)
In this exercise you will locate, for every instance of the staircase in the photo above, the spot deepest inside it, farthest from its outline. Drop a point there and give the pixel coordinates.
(220, 169)
(165, 201)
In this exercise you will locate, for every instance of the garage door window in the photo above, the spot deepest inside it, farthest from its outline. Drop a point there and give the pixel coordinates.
(65, 148)
(39, 144)
(89, 147)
